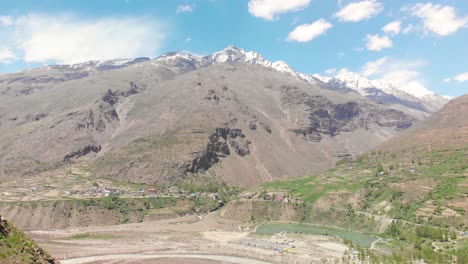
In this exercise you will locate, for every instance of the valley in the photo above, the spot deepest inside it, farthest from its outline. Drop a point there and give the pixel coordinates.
(230, 158)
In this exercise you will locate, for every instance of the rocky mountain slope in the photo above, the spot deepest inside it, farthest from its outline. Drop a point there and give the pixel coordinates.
(231, 115)
(418, 176)
(447, 128)
(17, 247)
(413, 98)
(415, 184)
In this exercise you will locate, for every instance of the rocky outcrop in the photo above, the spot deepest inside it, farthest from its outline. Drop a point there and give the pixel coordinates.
(325, 117)
(211, 96)
(217, 148)
(110, 97)
(240, 147)
(82, 152)
(105, 113)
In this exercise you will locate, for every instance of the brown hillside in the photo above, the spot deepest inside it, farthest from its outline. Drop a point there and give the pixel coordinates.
(447, 128)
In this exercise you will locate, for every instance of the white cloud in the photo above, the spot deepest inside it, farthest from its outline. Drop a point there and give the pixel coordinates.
(6, 21)
(307, 32)
(269, 9)
(385, 65)
(330, 71)
(377, 43)
(462, 77)
(408, 29)
(403, 73)
(6, 55)
(68, 39)
(187, 40)
(373, 67)
(392, 27)
(447, 80)
(358, 11)
(400, 76)
(184, 8)
(439, 19)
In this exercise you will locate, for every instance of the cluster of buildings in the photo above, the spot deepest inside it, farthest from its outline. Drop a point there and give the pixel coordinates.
(173, 191)
(270, 196)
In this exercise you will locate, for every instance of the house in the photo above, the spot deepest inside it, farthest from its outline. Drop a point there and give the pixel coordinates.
(279, 197)
(173, 190)
(151, 191)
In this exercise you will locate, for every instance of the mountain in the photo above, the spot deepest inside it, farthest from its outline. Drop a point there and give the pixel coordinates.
(412, 188)
(447, 128)
(17, 247)
(231, 115)
(29, 81)
(418, 176)
(412, 97)
(229, 54)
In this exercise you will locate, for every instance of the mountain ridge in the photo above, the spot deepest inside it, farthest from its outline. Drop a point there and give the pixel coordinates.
(154, 122)
(419, 104)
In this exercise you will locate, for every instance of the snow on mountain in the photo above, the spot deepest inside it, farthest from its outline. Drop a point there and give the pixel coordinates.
(96, 65)
(412, 94)
(385, 91)
(232, 54)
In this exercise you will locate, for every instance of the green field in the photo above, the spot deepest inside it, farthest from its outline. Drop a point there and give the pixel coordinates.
(97, 236)
(357, 238)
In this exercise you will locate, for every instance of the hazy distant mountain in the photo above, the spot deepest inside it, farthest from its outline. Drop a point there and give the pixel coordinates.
(412, 96)
(29, 81)
(231, 115)
(447, 128)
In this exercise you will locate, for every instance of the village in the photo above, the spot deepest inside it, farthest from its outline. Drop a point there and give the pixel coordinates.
(174, 191)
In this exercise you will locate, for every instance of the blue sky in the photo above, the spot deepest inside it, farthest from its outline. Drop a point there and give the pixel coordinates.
(427, 41)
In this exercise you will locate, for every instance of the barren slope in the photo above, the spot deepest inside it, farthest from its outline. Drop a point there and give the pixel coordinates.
(447, 128)
(150, 123)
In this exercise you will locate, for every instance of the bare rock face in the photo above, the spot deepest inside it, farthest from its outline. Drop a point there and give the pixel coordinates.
(82, 152)
(217, 148)
(327, 118)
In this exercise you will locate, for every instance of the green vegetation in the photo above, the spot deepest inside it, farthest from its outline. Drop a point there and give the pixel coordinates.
(124, 210)
(158, 154)
(96, 236)
(357, 238)
(409, 243)
(382, 178)
(17, 247)
(425, 189)
(311, 189)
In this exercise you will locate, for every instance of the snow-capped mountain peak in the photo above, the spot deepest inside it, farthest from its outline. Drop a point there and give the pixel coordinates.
(354, 80)
(383, 88)
(414, 88)
(235, 54)
(177, 56)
